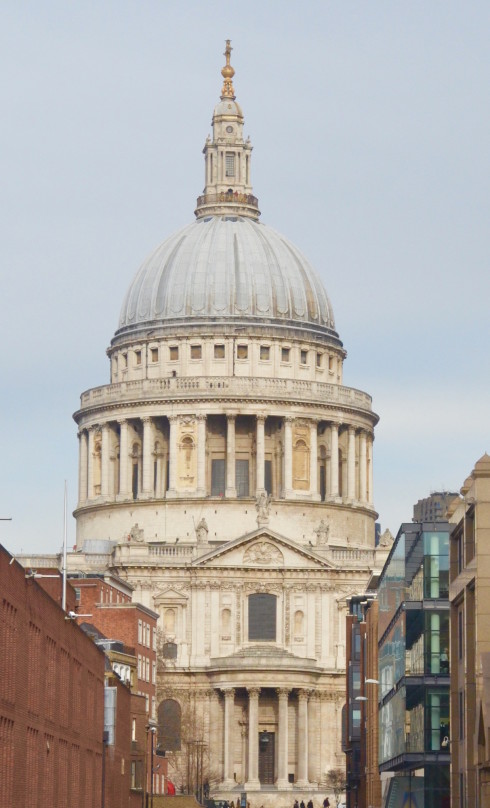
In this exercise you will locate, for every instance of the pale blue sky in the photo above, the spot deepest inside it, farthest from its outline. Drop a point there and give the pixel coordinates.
(371, 131)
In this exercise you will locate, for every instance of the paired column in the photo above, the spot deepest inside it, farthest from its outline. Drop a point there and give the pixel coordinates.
(253, 782)
(370, 470)
(282, 757)
(351, 465)
(314, 460)
(260, 443)
(288, 456)
(230, 490)
(228, 739)
(334, 461)
(201, 455)
(362, 468)
(90, 469)
(82, 467)
(123, 460)
(104, 462)
(172, 460)
(302, 739)
(147, 489)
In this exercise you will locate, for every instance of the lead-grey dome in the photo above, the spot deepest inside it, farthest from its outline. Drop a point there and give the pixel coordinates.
(226, 270)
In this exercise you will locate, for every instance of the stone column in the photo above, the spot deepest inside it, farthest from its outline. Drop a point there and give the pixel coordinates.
(314, 739)
(104, 462)
(201, 455)
(302, 781)
(260, 459)
(282, 751)
(362, 468)
(288, 457)
(215, 733)
(147, 488)
(334, 461)
(123, 460)
(90, 467)
(351, 465)
(253, 782)
(230, 490)
(172, 456)
(314, 461)
(82, 467)
(370, 470)
(229, 693)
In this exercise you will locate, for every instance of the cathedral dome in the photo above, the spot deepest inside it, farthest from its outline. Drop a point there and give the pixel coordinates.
(226, 269)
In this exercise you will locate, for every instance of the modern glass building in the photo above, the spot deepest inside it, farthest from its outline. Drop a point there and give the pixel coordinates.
(413, 649)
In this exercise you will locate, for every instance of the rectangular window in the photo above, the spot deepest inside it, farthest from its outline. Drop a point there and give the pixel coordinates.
(460, 633)
(262, 609)
(137, 357)
(125, 360)
(265, 352)
(174, 353)
(154, 673)
(147, 635)
(304, 357)
(242, 478)
(217, 478)
(140, 632)
(319, 360)
(242, 351)
(133, 729)
(285, 353)
(230, 164)
(330, 363)
(154, 354)
(461, 714)
(268, 476)
(219, 351)
(196, 351)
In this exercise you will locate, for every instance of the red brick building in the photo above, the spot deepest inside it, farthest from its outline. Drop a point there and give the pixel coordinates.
(51, 699)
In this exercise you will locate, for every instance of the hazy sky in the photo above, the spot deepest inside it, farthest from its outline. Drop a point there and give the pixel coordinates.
(371, 130)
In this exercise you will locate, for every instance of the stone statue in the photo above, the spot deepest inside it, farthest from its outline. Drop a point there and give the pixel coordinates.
(322, 533)
(202, 531)
(136, 533)
(386, 539)
(262, 505)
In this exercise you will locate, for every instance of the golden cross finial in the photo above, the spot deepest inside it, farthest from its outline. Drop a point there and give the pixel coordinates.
(227, 72)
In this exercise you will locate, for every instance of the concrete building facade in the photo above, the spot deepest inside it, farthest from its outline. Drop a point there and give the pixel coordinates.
(470, 640)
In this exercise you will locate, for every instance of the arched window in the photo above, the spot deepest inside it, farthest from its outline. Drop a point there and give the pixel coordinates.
(262, 610)
(169, 726)
(169, 650)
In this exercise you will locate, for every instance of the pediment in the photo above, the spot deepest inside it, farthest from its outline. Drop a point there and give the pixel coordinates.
(263, 549)
(169, 595)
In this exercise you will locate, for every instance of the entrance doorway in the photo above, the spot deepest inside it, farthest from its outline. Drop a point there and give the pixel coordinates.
(266, 757)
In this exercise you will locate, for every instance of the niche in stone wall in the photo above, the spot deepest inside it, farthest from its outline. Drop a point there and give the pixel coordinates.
(187, 456)
(301, 457)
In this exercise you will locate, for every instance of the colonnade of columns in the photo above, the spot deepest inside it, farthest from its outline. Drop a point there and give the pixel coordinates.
(357, 455)
(307, 760)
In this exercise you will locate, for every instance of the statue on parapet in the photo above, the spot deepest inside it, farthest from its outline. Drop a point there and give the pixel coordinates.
(322, 533)
(202, 531)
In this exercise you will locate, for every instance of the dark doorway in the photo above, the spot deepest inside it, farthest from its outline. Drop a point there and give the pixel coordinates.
(266, 758)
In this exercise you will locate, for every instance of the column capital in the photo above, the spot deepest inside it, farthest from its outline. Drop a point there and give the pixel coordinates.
(283, 692)
(201, 416)
(173, 419)
(122, 421)
(303, 694)
(146, 419)
(228, 692)
(260, 417)
(253, 691)
(230, 416)
(288, 419)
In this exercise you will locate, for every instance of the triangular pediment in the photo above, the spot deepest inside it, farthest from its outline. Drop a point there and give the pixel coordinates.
(263, 548)
(169, 594)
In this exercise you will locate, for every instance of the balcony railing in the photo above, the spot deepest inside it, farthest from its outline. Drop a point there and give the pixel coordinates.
(240, 387)
(228, 196)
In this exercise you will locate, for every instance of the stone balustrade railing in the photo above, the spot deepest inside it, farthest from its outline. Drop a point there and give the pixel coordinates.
(241, 387)
(355, 557)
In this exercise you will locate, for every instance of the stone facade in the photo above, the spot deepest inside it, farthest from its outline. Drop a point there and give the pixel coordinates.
(227, 474)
